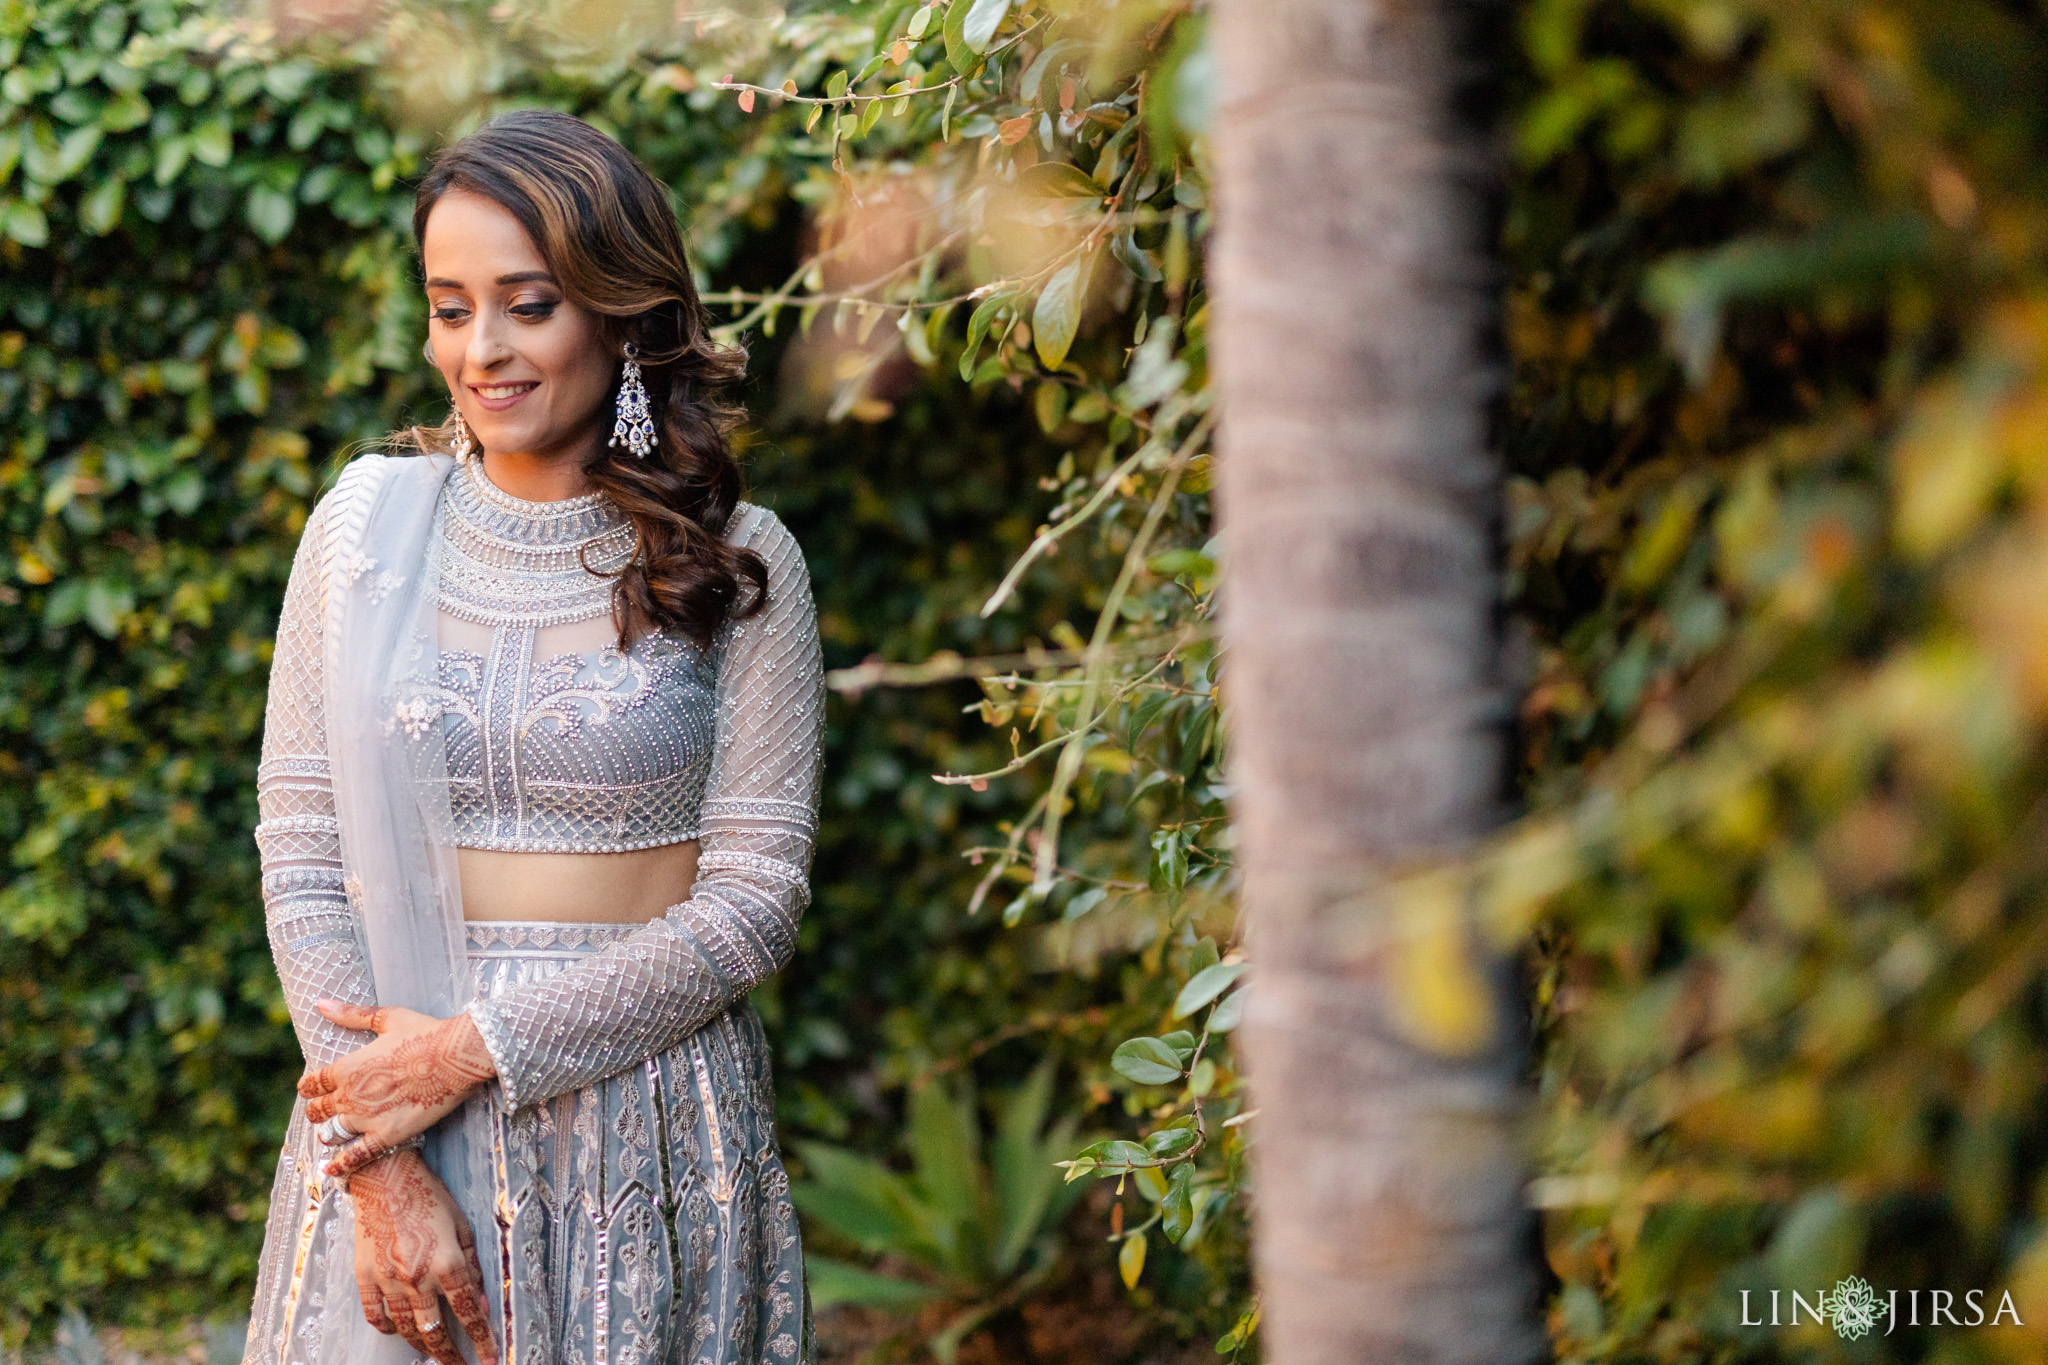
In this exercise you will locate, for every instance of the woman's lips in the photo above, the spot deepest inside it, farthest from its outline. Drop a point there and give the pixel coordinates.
(498, 397)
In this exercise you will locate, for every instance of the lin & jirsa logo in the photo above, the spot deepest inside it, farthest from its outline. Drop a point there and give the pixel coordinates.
(1853, 1308)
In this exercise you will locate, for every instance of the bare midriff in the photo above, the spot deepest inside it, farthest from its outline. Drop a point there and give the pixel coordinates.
(582, 888)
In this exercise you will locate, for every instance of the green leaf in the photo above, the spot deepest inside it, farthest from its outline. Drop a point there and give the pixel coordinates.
(1205, 986)
(1171, 1142)
(1183, 1044)
(869, 116)
(860, 1199)
(1124, 246)
(985, 313)
(1226, 1015)
(1177, 95)
(270, 213)
(74, 151)
(171, 155)
(1148, 1061)
(1029, 1190)
(1057, 179)
(963, 58)
(100, 210)
(1177, 1210)
(126, 110)
(213, 143)
(920, 22)
(1057, 316)
(25, 223)
(835, 1282)
(835, 84)
(107, 604)
(286, 81)
(984, 17)
(945, 1143)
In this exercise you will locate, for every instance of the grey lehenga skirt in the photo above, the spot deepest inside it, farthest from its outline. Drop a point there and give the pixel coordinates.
(642, 1220)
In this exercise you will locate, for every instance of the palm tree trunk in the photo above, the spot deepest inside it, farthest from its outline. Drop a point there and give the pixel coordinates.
(1357, 500)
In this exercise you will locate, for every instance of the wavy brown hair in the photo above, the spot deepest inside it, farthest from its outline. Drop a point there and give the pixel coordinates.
(606, 230)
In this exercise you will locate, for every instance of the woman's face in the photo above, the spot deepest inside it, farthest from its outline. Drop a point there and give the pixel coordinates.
(525, 364)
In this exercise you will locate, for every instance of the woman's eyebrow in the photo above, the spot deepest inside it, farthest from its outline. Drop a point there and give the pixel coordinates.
(517, 277)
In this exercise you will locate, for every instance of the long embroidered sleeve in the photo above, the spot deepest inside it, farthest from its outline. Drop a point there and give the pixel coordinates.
(306, 912)
(757, 824)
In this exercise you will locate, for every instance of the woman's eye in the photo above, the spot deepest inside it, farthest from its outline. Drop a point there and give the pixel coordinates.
(449, 314)
(533, 312)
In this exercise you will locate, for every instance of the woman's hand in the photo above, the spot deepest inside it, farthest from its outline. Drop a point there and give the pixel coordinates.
(412, 1077)
(413, 1249)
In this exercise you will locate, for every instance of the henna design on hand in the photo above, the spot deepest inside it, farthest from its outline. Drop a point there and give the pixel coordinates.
(422, 1249)
(398, 1086)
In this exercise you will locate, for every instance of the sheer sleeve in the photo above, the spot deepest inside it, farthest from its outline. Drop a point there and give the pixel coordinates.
(653, 988)
(305, 907)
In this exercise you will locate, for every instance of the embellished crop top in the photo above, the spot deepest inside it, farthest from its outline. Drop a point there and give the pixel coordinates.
(554, 740)
(554, 747)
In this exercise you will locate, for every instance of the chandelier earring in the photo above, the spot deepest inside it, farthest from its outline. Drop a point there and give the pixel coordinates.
(635, 424)
(463, 444)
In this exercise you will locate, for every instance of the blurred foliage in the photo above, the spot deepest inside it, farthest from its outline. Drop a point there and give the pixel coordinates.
(1776, 538)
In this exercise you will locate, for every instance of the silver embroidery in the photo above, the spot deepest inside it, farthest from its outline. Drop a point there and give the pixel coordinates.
(640, 1211)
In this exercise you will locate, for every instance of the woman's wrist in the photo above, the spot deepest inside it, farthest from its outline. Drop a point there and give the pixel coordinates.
(406, 1150)
(468, 1054)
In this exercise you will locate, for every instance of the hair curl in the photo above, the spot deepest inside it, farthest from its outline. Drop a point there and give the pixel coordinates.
(605, 227)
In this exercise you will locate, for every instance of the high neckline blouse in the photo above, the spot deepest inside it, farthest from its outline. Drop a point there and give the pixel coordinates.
(506, 560)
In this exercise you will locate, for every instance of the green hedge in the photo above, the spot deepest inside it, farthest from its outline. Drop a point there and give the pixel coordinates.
(208, 298)
(203, 302)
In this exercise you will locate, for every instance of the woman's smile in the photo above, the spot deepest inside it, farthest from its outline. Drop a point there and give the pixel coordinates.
(498, 397)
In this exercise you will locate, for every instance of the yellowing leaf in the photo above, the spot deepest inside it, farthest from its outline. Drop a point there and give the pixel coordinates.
(1440, 993)
(1130, 1261)
(1947, 468)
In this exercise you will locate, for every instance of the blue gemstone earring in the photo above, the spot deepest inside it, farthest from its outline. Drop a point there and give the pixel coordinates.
(635, 425)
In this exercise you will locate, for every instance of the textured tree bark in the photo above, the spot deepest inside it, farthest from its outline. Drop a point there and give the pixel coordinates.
(1357, 501)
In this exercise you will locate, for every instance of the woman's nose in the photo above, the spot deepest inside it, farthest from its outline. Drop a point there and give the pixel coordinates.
(488, 344)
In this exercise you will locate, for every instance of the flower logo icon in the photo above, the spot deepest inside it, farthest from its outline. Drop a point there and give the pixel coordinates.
(1852, 1308)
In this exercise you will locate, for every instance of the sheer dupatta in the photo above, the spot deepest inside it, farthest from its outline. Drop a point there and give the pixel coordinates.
(399, 871)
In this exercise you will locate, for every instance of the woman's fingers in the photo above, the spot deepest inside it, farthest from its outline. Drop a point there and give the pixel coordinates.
(353, 1156)
(435, 1330)
(374, 1311)
(363, 1017)
(315, 1083)
(399, 1312)
(465, 1295)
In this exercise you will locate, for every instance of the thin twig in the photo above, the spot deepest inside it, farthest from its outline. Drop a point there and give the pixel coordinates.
(1098, 651)
(850, 97)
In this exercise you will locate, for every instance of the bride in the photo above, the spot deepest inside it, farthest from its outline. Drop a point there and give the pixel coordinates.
(538, 795)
